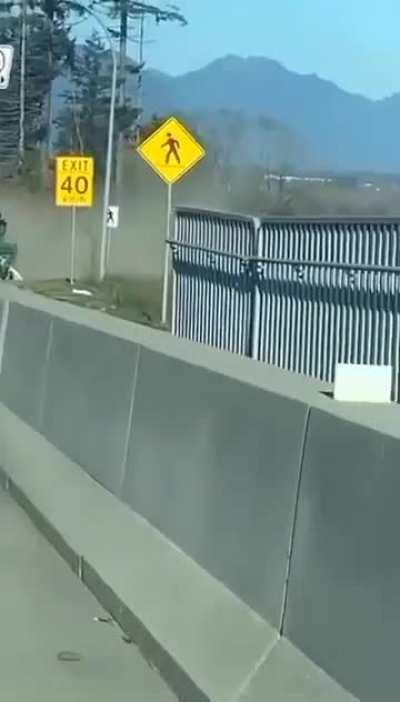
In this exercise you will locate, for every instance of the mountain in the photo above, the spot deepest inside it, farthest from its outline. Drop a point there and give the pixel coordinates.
(258, 111)
(338, 130)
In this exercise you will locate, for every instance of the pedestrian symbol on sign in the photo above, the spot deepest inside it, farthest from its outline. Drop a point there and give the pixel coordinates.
(173, 148)
(113, 217)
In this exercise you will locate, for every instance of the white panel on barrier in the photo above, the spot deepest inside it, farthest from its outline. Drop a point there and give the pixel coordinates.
(363, 383)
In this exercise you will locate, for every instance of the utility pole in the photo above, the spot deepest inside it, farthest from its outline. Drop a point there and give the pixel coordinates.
(123, 44)
(141, 62)
(21, 142)
(110, 142)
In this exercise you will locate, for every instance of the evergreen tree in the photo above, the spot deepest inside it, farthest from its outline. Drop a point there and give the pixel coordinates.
(131, 16)
(23, 122)
(56, 15)
(83, 124)
(9, 99)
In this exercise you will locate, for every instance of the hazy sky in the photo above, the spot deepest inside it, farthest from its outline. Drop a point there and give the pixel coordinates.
(355, 43)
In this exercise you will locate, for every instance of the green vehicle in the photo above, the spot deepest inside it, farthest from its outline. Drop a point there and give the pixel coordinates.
(8, 254)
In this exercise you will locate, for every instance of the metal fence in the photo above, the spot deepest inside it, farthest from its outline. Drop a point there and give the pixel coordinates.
(213, 293)
(301, 294)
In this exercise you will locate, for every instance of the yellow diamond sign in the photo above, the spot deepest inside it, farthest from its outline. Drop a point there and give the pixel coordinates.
(171, 151)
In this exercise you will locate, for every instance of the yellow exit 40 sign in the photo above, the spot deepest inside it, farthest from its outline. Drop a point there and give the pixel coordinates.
(171, 151)
(74, 181)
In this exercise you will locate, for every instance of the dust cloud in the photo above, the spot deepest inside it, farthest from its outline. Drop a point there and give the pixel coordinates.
(43, 232)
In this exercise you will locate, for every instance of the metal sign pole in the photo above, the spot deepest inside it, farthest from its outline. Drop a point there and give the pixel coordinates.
(108, 248)
(73, 241)
(164, 312)
(109, 162)
(110, 139)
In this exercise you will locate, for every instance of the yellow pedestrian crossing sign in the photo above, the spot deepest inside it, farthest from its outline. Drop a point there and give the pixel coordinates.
(171, 151)
(74, 181)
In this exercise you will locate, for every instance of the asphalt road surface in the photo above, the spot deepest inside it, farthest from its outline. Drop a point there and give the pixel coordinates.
(52, 649)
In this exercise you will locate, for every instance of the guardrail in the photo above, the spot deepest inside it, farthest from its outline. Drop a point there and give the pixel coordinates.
(299, 294)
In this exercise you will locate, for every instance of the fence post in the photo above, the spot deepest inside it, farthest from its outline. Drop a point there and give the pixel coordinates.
(255, 307)
(172, 254)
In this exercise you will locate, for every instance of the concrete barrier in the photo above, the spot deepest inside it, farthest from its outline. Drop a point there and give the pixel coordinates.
(344, 591)
(289, 676)
(255, 506)
(25, 351)
(203, 639)
(208, 467)
(87, 404)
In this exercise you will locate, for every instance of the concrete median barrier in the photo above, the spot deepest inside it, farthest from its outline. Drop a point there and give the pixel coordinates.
(239, 524)
(25, 351)
(287, 675)
(208, 467)
(202, 638)
(344, 589)
(89, 390)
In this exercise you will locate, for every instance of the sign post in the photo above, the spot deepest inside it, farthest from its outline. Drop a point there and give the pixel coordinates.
(74, 188)
(171, 151)
(164, 307)
(73, 240)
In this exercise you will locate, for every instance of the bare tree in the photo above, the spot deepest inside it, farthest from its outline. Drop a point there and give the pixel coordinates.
(131, 16)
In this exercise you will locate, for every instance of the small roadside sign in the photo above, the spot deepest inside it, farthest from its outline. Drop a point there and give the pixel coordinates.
(171, 151)
(74, 181)
(6, 59)
(113, 217)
